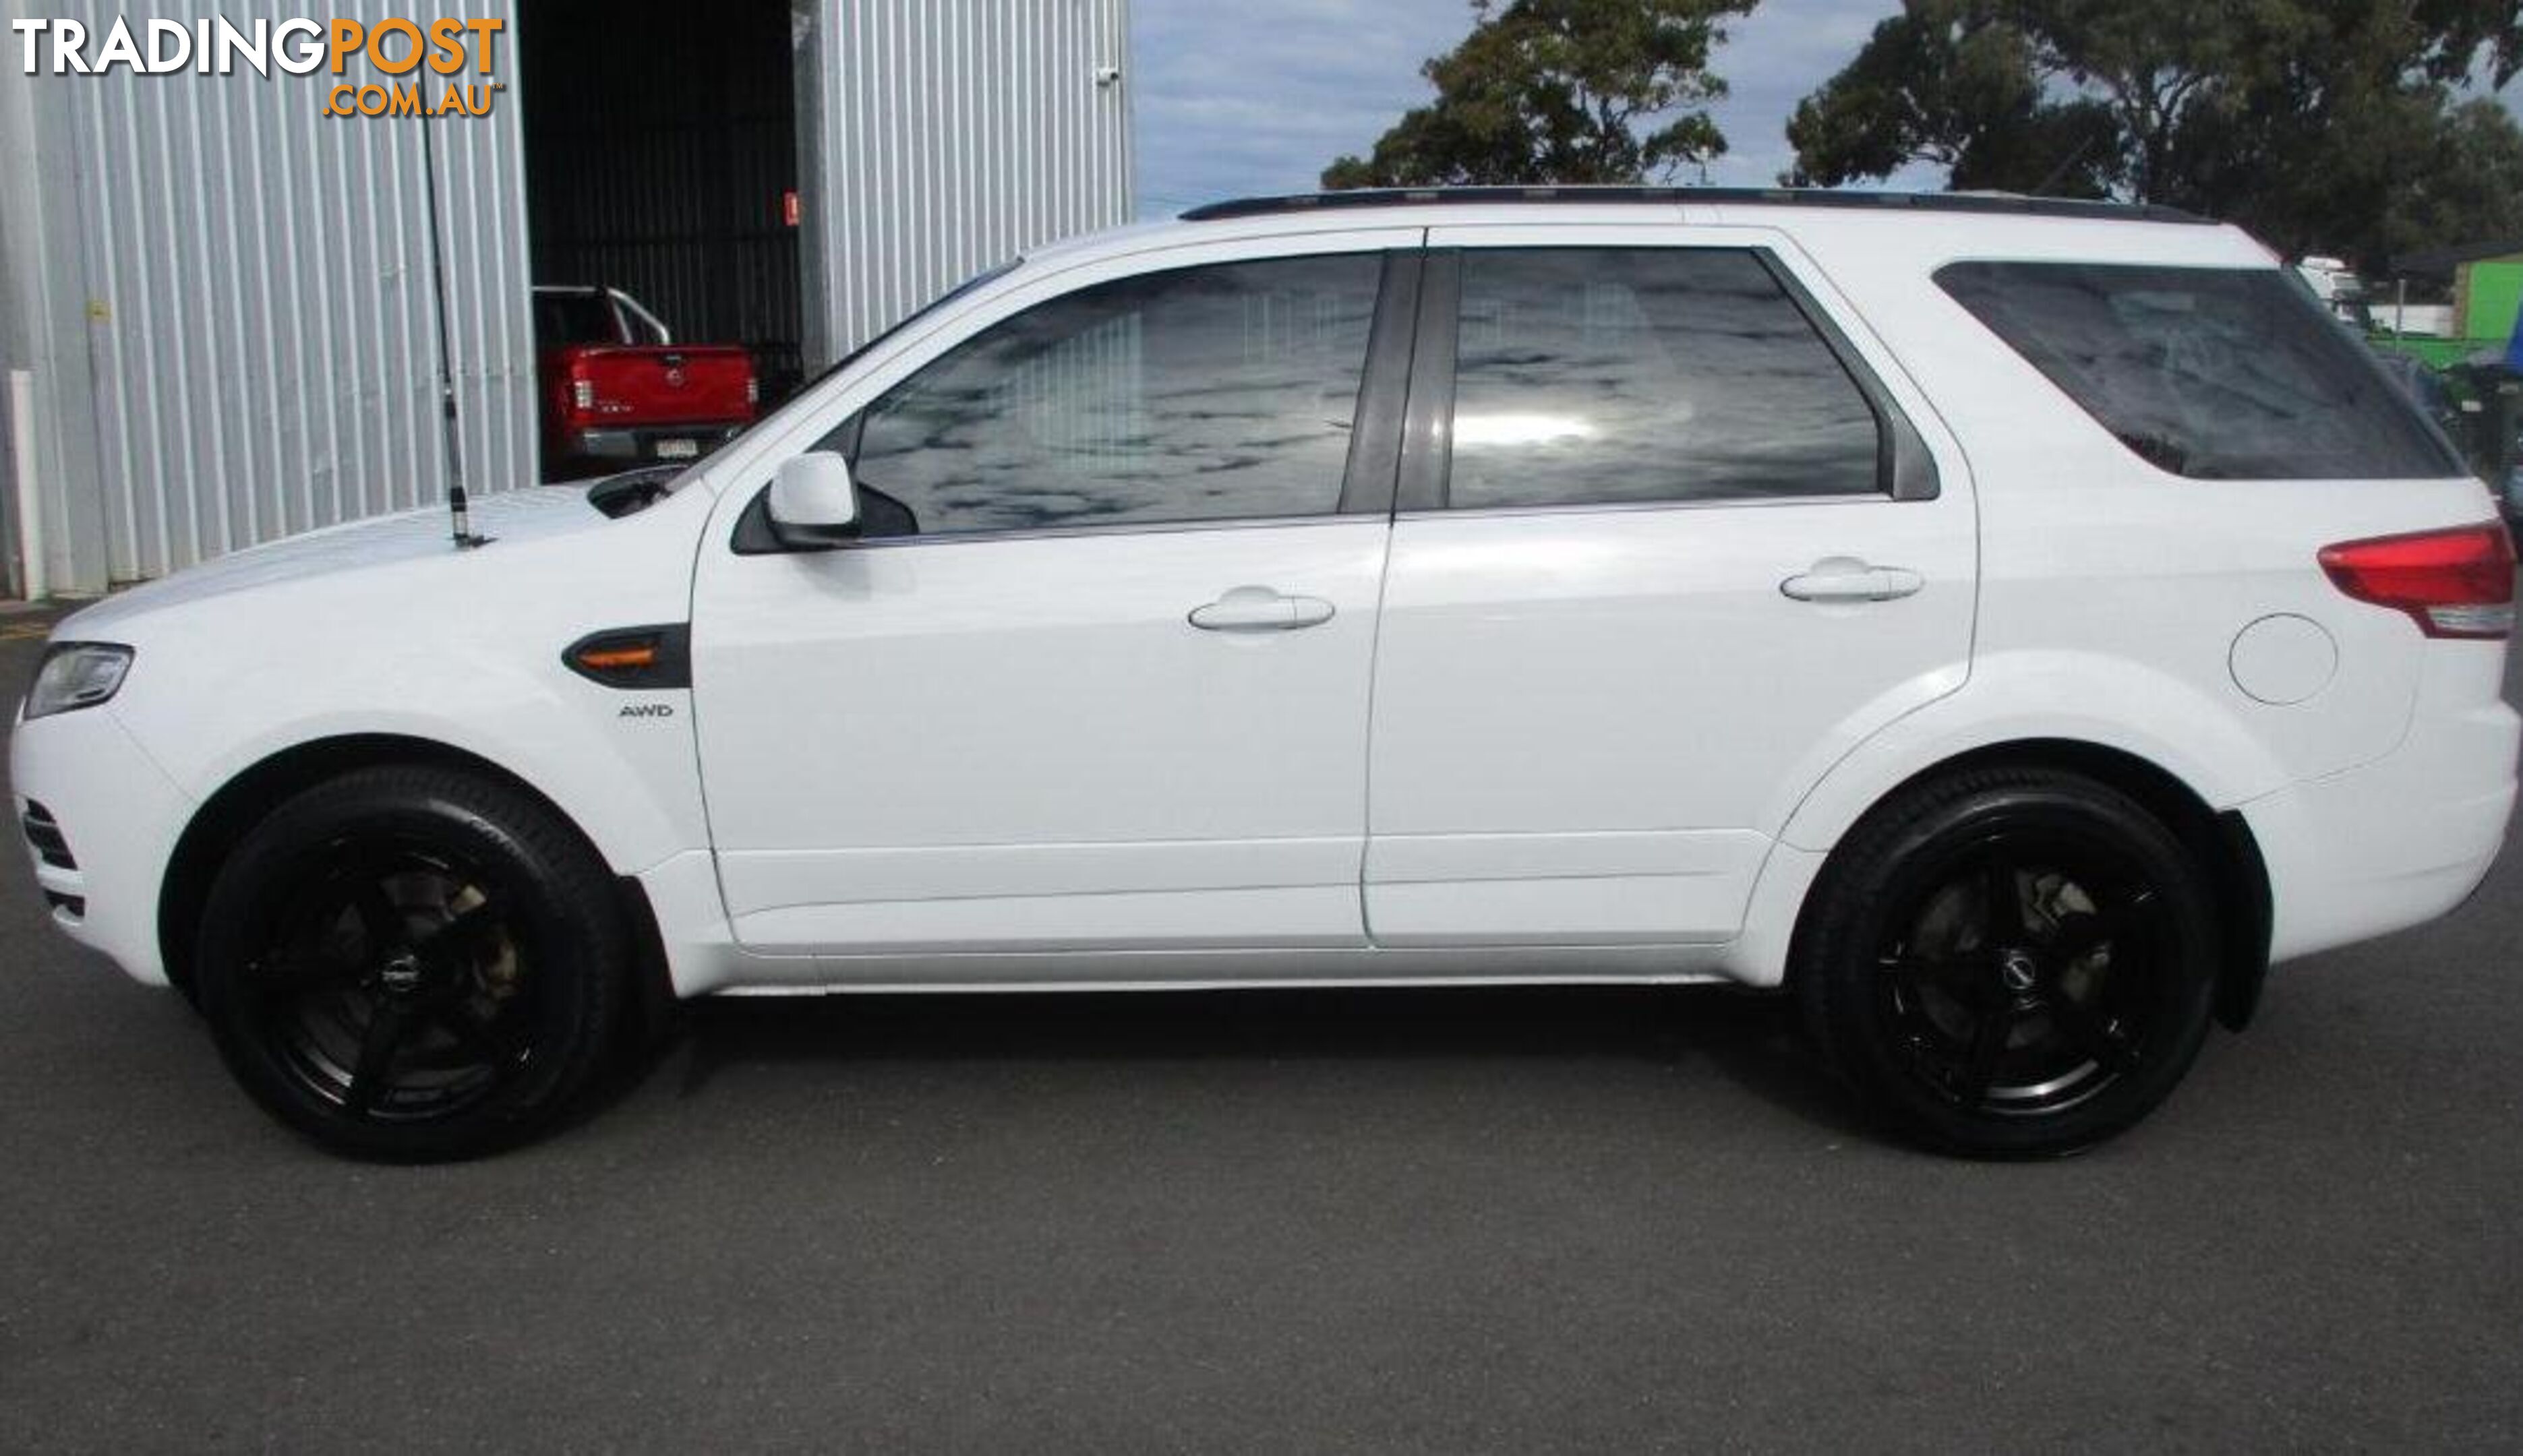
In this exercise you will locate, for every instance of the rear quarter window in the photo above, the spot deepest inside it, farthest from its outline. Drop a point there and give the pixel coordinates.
(2210, 373)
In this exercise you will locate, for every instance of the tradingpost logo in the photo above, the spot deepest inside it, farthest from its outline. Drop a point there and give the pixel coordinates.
(389, 68)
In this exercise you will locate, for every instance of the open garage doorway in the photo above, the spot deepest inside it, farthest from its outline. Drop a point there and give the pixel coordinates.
(661, 160)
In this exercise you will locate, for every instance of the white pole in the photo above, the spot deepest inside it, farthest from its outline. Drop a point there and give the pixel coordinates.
(21, 464)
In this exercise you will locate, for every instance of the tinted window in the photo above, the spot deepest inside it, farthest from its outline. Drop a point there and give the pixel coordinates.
(2215, 373)
(1196, 394)
(1647, 374)
(564, 318)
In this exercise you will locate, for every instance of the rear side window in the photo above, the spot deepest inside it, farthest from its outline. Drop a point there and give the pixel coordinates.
(1644, 374)
(2212, 373)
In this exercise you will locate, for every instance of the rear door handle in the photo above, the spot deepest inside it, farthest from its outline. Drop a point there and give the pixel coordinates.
(1261, 609)
(1849, 578)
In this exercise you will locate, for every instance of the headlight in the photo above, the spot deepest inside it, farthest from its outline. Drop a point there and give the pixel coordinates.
(76, 675)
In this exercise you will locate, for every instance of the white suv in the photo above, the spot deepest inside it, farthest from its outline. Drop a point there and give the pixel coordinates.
(2008, 624)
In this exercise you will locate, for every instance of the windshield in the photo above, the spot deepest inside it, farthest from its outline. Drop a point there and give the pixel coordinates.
(657, 490)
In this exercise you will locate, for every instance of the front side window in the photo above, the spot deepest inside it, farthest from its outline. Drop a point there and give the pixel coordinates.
(1644, 374)
(2212, 373)
(1214, 393)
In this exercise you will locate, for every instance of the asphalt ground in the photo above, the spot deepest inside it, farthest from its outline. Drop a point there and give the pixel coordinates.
(1443, 1221)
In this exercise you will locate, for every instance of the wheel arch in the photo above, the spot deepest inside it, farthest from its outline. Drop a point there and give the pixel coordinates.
(2222, 841)
(229, 813)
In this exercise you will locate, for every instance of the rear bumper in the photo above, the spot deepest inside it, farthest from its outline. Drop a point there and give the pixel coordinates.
(646, 443)
(115, 817)
(2398, 842)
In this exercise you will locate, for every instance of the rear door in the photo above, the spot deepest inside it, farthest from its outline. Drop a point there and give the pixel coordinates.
(1673, 534)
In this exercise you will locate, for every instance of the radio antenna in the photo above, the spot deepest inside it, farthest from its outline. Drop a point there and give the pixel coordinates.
(459, 520)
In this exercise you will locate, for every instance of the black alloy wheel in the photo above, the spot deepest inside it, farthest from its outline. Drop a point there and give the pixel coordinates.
(412, 964)
(2012, 963)
(2018, 981)
(395, 986)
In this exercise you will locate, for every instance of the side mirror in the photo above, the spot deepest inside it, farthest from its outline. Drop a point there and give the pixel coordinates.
(813, 504)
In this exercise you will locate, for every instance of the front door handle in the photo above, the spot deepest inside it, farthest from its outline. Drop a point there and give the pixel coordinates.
(1849, 578)
(1261, 609)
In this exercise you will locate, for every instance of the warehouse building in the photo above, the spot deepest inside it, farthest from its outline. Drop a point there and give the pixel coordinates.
(220, 313)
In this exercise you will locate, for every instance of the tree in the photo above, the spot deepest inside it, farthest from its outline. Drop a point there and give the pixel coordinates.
(2473, 194)
(2317, 124)
(1555, 91)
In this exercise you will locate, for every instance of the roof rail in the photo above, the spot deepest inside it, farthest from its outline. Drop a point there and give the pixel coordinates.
(1779, 197)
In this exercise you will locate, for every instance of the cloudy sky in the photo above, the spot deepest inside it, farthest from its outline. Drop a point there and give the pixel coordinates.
(1239, 97)
(1256, 96)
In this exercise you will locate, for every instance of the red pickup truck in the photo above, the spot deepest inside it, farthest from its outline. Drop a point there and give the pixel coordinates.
(618, 390)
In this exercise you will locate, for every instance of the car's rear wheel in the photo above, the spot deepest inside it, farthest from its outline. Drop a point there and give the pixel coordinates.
(2010, 963)
(412, 962)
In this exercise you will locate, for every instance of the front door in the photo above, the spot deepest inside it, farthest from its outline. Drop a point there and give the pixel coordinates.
(1681, 542)
(1095, 677)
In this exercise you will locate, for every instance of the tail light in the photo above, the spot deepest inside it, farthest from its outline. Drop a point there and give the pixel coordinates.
(582, 394)
(752, 390)
(2454, 583)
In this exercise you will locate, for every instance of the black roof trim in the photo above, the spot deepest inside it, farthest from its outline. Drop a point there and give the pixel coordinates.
(1781, 196)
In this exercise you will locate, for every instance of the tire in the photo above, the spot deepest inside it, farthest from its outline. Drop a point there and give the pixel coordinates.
(1994, 1025)
(413, 963)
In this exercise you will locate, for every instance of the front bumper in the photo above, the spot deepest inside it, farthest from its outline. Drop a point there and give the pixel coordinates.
(114, 816)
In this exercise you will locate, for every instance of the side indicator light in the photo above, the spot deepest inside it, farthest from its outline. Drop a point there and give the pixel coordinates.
(618, 659)
(633, 657)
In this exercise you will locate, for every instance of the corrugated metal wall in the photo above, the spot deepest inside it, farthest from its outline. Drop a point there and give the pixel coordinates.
(942, 136)
(263, 347)
(224, 297)
(12, 546)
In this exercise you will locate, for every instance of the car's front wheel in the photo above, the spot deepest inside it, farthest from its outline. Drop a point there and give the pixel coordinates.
(2010, 962)
(412, 962)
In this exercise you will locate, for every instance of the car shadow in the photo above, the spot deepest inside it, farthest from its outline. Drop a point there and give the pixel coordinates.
(1753, 1039)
